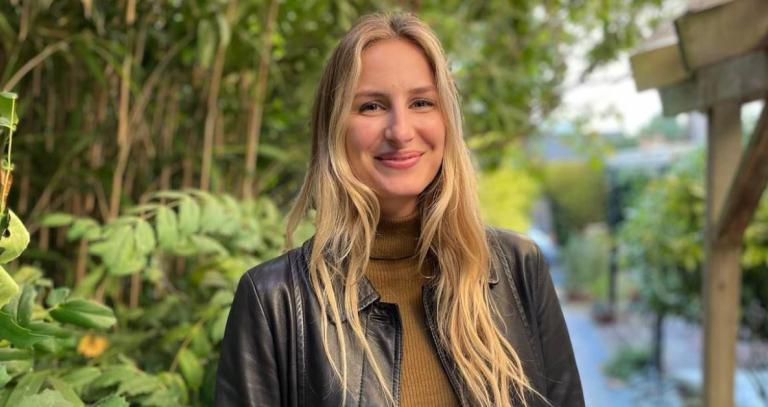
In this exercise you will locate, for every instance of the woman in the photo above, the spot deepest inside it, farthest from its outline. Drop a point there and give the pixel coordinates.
(402, 297)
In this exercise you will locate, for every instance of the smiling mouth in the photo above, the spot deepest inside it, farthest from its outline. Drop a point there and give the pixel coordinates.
(401, 160)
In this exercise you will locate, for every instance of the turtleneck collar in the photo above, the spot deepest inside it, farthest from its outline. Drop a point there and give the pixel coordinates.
(396, 238)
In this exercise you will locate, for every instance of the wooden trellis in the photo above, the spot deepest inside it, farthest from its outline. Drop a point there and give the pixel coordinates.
(714, 59)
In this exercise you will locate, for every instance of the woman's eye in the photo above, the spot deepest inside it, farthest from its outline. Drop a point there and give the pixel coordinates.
(423, 103)
(370, 107)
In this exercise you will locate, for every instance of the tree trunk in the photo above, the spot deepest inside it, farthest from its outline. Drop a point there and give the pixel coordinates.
(123, 142)
(658, 342)
(257, 104)
(169, 129)
(212, 103)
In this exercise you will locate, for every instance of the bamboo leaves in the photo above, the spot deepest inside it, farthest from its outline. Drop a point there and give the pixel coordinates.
(84, 313)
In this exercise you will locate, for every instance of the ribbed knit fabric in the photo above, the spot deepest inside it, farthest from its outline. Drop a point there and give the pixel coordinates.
(393, 270)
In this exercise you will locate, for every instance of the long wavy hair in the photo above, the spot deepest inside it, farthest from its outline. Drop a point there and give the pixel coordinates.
(452, 238)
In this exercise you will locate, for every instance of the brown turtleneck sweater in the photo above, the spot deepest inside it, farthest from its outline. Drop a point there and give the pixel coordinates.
(393, 270)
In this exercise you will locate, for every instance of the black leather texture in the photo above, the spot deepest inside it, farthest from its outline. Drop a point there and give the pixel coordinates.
(272, 352)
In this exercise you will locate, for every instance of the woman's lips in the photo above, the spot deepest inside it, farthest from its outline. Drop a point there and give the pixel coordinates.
(400, 161)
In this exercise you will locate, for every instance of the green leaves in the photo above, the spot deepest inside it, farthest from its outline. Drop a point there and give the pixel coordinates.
(117, 249)
(57, 296)
(129, 381)
(8, 114)
(8, 354)
(48, 398)
(57, 219)
(144, 237)
(85, 228)
(189, 216)
(25, 304)
(15, 240)
(191, 368)
(84, 313)
(167, 227)
(220, 235)
(8, 287)
(113, 401)
(28, 386)
(16, 334)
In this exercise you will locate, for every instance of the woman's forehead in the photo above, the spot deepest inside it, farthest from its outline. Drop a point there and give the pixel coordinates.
(397, 64)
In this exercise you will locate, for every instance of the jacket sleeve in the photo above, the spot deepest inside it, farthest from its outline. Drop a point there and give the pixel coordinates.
(561, 374)
(247, 373)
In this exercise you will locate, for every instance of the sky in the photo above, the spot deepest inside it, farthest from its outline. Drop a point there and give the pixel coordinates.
(608, 96)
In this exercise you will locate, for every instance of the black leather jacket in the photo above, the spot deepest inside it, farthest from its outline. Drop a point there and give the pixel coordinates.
(272, 353)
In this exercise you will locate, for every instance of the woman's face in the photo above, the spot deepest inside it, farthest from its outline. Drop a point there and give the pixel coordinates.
(395, 132)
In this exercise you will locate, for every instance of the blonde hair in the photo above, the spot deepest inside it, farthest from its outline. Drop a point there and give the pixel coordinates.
(452, 233)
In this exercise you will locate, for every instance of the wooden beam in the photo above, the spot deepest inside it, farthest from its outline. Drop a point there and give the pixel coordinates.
(697, 5)
(724, 31)
(742, 79)
(722, 271)
(747, 187)
(680, 98)
(658, 61)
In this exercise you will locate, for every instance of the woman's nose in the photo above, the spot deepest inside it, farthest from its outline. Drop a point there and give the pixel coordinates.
(400, 128)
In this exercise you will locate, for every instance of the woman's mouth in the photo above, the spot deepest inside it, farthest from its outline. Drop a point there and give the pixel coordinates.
(399, 160)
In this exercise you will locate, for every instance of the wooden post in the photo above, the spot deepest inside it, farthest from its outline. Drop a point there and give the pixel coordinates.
(722, 276)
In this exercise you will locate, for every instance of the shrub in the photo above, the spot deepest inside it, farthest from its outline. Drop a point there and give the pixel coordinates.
(626, 362)
(507, 196)
(662, 242)
(577, 192)
(585, 259)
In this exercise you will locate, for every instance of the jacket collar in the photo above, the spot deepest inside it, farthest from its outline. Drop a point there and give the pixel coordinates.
(366, 293)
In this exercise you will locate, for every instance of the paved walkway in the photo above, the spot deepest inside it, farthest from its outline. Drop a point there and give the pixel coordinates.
(594, 345)
(591, 354)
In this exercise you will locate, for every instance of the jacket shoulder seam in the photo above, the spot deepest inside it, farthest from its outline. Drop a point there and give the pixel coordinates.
(300, 325)
(506, 253)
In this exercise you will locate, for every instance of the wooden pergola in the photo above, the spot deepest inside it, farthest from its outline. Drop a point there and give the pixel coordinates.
(713, 59)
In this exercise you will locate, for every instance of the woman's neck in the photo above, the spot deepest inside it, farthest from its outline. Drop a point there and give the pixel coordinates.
(397, 208)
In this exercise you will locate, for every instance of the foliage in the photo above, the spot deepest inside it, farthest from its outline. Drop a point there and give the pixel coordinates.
(662, 241)
(27, 330)
(125, 99)
(191, 68)
(668, 262)
(43, 345)
(181, 316)
(578, 194)
(664, 128)
(626, 361)
(59, 346)
(507, 196)
(585, 258)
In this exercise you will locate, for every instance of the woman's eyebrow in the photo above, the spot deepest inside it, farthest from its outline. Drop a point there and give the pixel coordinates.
(414, 91)
(423, 89)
